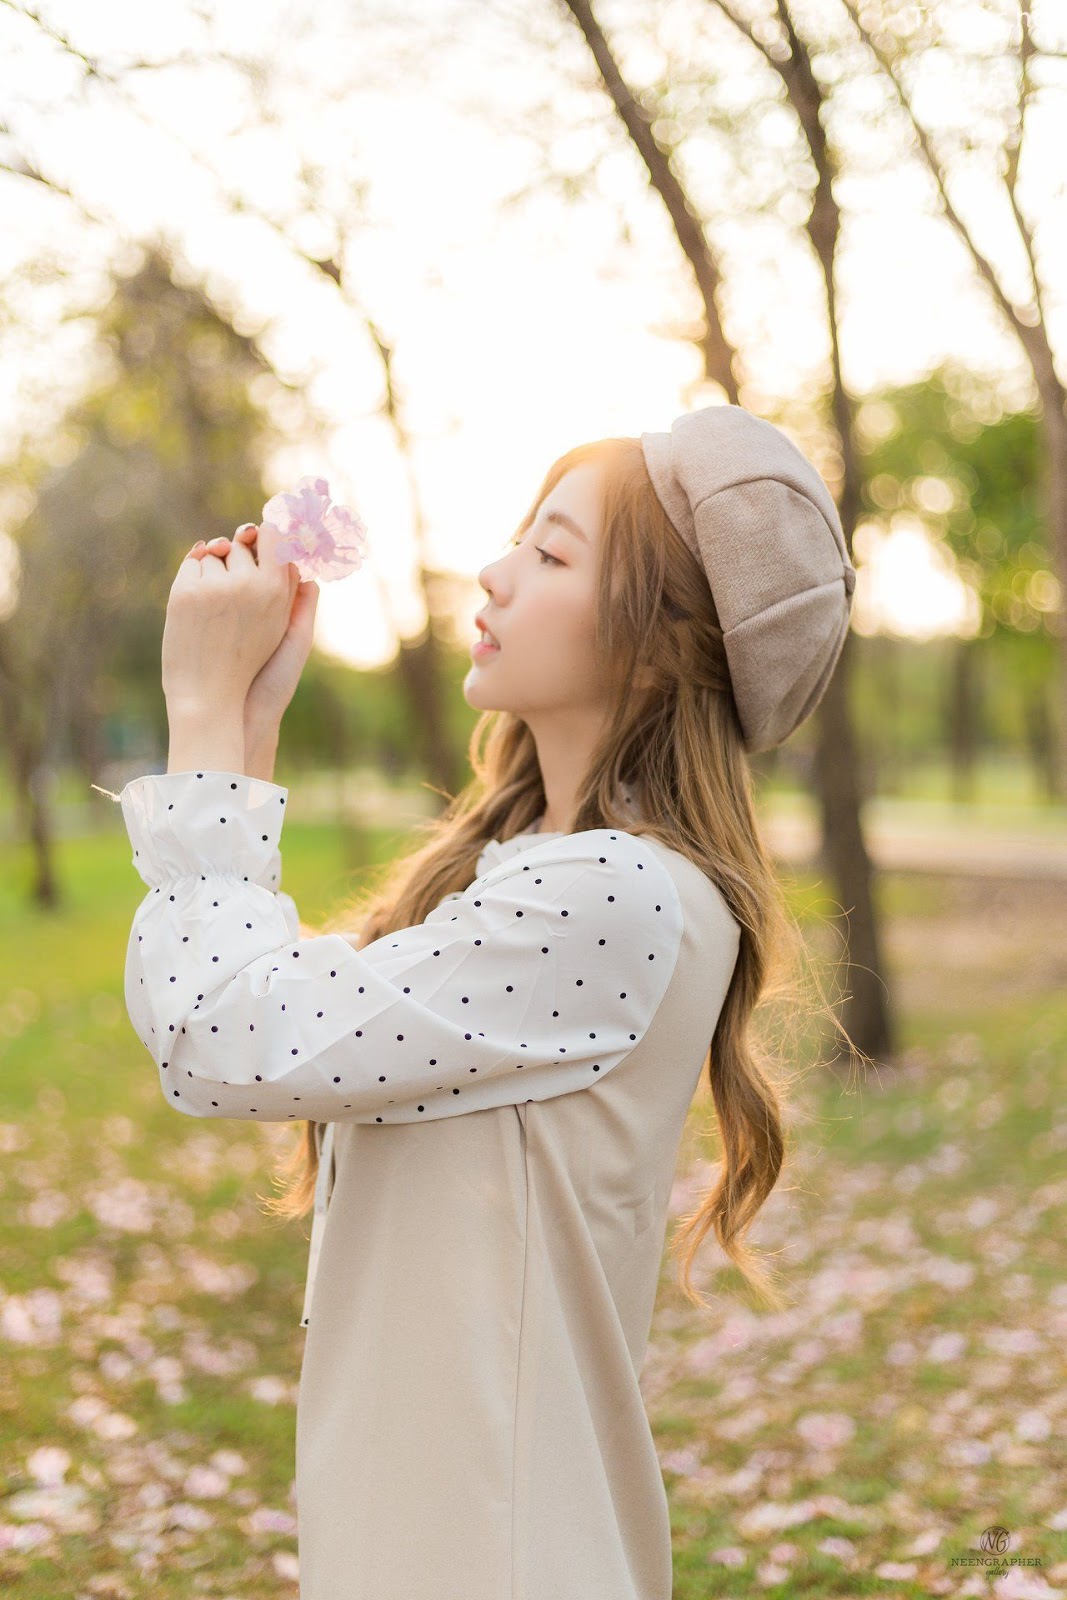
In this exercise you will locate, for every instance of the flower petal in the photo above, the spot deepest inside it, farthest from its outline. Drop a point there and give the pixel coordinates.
(324, 541)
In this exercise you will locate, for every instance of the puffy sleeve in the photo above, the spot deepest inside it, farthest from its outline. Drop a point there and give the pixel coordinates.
(270, 877)
(536, 981)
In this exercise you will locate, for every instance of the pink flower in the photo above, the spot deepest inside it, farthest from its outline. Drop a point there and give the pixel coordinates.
(325, 541)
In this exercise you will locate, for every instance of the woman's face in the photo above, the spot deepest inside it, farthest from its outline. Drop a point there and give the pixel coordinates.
(540, 609)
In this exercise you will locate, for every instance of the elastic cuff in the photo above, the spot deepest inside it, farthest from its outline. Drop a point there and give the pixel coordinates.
(183, 823)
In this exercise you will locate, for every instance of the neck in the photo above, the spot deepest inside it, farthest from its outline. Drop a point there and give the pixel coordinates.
(564, 750)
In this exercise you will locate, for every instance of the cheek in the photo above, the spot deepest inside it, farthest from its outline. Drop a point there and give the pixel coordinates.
(561, 622)
(578, 618)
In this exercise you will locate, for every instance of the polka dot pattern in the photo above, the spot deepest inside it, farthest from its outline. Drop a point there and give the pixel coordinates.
(205, 822)
(527, 985)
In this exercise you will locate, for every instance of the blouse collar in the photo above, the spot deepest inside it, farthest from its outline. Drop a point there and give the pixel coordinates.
(497, 850)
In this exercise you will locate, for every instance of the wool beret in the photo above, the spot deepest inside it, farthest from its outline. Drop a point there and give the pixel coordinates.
(764, 527)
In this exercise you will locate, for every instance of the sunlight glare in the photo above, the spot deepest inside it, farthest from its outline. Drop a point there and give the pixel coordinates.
(908, 585)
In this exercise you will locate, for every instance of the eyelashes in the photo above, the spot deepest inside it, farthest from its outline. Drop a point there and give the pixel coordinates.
(542, 553)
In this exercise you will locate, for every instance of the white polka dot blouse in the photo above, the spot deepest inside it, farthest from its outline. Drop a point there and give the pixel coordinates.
(536, 981)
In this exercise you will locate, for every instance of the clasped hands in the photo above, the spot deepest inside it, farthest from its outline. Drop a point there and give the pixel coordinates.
(239, 630)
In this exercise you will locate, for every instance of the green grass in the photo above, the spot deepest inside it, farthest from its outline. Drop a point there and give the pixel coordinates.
(932, 1385)
(1003, 785)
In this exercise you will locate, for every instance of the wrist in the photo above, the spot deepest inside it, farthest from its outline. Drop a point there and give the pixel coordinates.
(190, 711)
(261, 743)
(205, 737)
(260, 756)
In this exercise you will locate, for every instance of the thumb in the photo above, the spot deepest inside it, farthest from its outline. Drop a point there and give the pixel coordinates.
(302, 617)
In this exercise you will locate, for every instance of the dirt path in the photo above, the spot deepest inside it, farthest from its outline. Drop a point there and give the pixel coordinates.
(904, 844)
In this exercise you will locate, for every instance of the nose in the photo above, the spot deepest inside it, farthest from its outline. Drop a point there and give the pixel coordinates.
(487, 577)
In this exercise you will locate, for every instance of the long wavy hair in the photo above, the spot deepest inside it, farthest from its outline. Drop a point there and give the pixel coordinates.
(676, 743)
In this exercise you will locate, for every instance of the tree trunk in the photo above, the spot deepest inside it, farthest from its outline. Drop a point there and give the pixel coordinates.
(1041, 743)
(29, 780)
(45, 888)
(962, 707)
(420, 672)
(865, 1013)
(1055, 426)
(30, 776)
(887, 775)
(85, 731)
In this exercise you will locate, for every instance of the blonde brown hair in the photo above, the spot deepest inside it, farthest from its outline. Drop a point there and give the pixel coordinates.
(676, 743)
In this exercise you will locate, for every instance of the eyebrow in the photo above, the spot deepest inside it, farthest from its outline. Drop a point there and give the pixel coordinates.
(567, 522)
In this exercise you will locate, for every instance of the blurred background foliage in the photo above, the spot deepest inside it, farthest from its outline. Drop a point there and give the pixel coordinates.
(175, 436)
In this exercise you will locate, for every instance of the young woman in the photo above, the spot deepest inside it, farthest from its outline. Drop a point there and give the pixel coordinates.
(494, 1072)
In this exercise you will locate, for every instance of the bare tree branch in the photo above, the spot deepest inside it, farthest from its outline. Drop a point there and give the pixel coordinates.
(418, 661)
(717, 353)
(1012, 149)
(988, 273)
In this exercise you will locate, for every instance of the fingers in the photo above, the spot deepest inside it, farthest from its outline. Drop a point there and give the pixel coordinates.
(199, 549)
(255, 546)
(250, 546)
(242, 557)
(222, 547)
(267, 547)
(248, 534)
(214, 547)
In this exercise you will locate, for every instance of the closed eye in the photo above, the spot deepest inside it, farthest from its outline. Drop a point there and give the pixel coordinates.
(544, 554)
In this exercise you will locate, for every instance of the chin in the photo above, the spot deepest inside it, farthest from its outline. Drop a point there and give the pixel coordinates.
(478, 694)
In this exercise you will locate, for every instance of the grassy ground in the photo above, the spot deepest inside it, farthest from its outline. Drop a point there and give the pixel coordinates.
(854, 1445)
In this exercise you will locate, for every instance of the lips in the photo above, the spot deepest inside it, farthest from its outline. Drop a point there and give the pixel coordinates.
(487, 637)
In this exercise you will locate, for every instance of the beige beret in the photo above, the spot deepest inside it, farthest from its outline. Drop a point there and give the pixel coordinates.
(763, 525)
